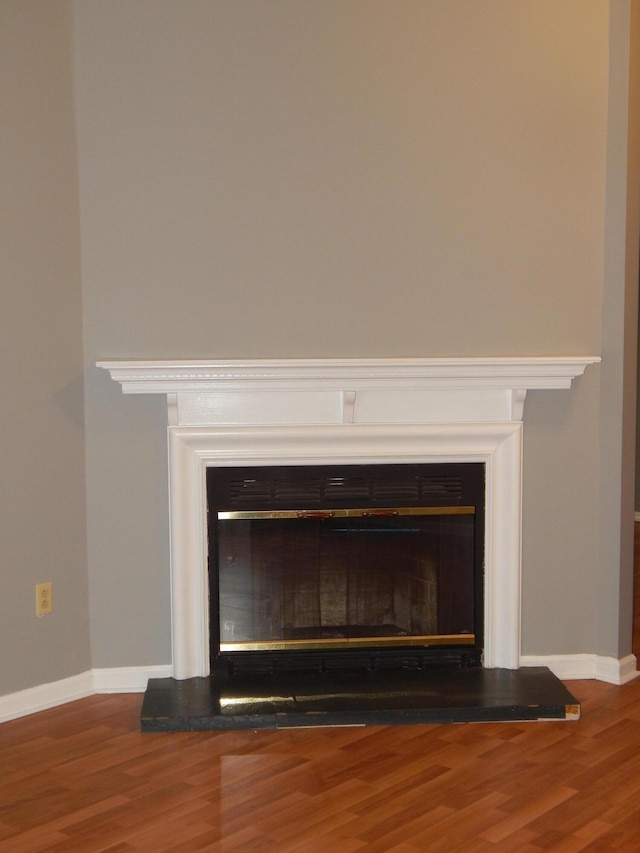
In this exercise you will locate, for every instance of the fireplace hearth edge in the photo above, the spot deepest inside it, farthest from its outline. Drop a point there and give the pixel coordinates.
(437, 696)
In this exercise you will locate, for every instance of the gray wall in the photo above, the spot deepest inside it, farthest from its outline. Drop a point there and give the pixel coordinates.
(619, 329)
(269, 179)
(42, 497)
(293, 179)
(330, 178)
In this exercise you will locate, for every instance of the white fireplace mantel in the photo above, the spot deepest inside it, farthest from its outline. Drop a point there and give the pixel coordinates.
(171, 377)
(440, 388)
(332, 411)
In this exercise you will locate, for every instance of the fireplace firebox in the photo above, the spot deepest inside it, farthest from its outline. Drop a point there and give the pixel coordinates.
(345, 567)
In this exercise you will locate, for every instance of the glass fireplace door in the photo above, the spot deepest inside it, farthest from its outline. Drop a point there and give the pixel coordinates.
(301, 579)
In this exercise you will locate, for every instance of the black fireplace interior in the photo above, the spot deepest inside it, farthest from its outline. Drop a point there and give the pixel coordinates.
(345, 567)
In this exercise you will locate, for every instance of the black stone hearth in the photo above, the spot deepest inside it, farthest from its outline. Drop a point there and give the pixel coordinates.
(288, 700)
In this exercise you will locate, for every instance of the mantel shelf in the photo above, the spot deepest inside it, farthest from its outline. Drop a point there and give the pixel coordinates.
(520, 373)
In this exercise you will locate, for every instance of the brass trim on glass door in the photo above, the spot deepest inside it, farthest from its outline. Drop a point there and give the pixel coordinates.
(364, 513)
(345, 642)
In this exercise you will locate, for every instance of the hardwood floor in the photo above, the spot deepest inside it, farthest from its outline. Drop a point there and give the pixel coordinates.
(82, 777)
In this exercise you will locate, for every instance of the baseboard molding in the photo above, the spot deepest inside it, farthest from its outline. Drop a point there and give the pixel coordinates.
(598, 667)
(130, 679)
(45, 696)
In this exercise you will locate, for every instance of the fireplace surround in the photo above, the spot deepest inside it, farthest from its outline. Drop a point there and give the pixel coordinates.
(344, 412)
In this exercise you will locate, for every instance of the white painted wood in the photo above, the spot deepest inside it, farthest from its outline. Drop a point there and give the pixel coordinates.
(326, 407)
(127, 679)
(521, 373)
(130, 679)
(260, 407)
(586, 666)
(44, 696)
(193, 449)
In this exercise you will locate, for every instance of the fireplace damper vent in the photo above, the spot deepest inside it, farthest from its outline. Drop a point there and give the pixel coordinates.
(397, 488)
(308, 662)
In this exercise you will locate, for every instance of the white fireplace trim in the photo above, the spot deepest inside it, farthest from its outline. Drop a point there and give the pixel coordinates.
(191, 450)
(329, 411)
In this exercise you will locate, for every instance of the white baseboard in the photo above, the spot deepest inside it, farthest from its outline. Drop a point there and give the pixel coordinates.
(128, 679)
(572, 667)
(45, 696)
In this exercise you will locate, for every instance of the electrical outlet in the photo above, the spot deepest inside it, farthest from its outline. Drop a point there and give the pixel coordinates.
(44, 598)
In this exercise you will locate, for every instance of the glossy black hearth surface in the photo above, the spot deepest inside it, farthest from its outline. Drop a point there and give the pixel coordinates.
(291, 700)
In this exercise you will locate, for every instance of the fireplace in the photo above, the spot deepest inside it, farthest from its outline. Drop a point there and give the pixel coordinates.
(345, 566)
(328, 412)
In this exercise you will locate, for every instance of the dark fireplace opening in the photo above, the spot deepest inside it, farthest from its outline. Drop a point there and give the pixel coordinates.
(334, 567)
